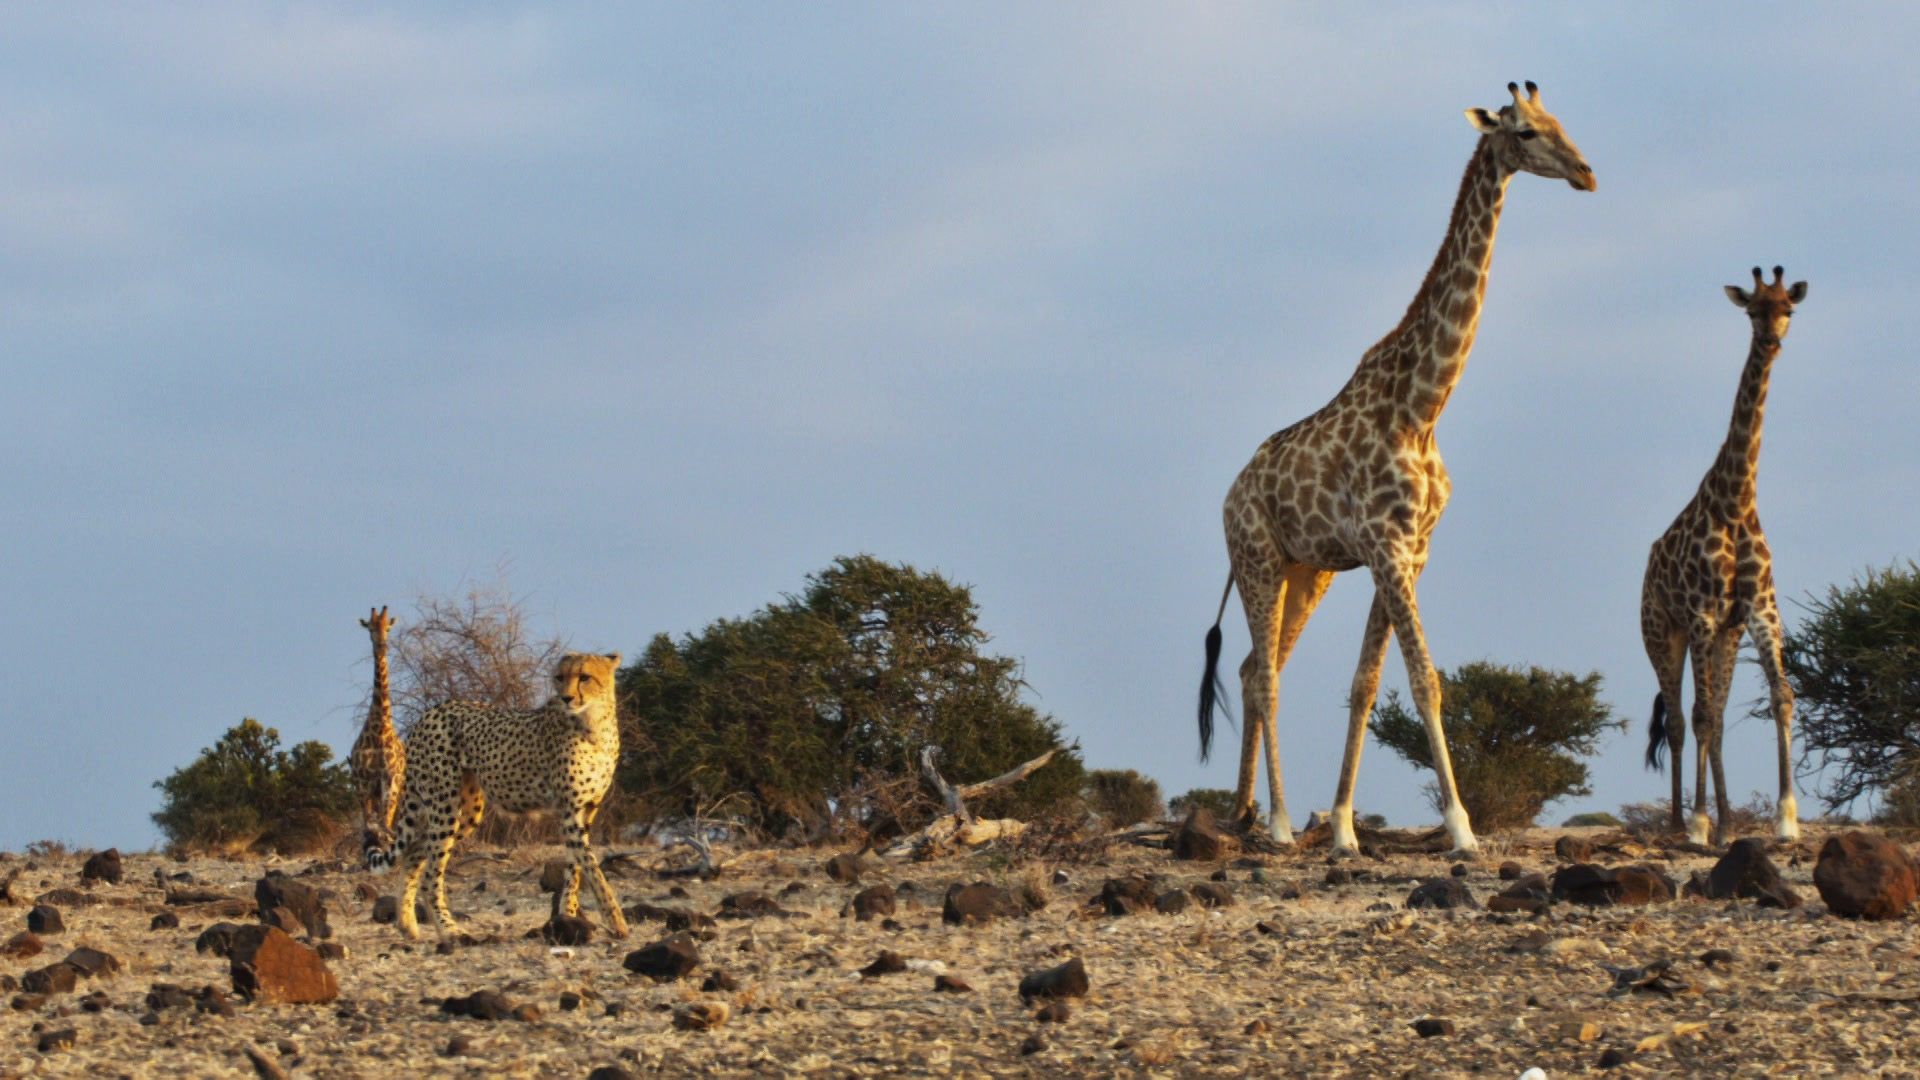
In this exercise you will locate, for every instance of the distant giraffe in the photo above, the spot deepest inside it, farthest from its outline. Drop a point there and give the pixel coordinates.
(379, 759)
(1360, 483)
(1710, 578)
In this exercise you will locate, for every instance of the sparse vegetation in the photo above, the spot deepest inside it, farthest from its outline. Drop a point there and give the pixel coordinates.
(814, 710)
(1124, 797)
(244, 791)
(1217, 801)
(1515, 737)
(1854, 664)
(1593, 819)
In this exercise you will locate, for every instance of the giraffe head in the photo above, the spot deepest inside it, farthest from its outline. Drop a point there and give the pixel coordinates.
(1527, 138)
(1769, 305)
(377, 623)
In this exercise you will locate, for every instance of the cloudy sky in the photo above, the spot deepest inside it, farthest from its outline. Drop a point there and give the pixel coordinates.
(312, 308)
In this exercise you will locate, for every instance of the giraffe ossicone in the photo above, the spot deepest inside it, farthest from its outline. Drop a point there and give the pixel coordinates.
(1709, 582)
(1360, 484)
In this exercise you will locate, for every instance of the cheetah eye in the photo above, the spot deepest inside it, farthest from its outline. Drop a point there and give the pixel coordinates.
(1526, 134)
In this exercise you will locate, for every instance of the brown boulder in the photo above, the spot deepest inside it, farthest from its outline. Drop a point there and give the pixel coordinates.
(103, 866)
(1067, 980)
(978, 903)
(845, 869)
(52, 979)
(278, 890)
(1746, 872)
(1573, 849)
(45, 919)
(1600, 886)
(1863, 875)
(90, 962)
(665, 960)
(872, 903)
(1126, 895)
(1213, 894)
(267, 965)
(1199, 837)
(1528, 893)
(22, 946)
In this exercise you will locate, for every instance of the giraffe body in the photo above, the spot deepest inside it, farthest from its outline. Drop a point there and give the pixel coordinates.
(378, 760)
(1709, 581)
(1360, 484)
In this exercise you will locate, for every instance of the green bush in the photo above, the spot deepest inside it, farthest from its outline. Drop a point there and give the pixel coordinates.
(815, 710)
(245, 789)
(1514, 738)
(1217, 801)
(1123, 797)
(1593, 819)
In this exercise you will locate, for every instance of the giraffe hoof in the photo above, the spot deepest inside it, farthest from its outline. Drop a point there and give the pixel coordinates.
(1341, 854)
(1463, 855)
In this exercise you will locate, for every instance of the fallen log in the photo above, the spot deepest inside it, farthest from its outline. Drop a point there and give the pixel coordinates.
(958, 826)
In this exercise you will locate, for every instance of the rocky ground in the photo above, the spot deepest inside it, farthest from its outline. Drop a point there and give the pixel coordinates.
(1307, 969)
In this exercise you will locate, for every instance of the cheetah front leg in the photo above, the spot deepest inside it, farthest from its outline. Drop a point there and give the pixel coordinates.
(587, 864)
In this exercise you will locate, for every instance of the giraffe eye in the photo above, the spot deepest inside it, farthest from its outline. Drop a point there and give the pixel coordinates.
(1529, 134)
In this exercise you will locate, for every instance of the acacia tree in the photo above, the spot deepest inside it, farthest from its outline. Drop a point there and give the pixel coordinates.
(244, 789)
(1514, 737)
(1854, 664)
(818, 706)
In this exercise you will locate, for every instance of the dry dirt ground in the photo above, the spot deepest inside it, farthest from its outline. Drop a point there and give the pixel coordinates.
(1330, 986)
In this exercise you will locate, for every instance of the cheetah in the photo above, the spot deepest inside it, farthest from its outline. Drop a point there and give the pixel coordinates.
(559, 757)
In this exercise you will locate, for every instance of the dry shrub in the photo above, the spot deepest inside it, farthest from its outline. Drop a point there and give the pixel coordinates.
(1756, 815)
(474, 647)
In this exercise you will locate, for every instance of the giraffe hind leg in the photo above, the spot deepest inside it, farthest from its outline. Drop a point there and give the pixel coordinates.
(1765, 629)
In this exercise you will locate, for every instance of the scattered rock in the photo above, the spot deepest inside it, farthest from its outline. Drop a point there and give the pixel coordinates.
(267, 965)
(979, 903)
(1126, 895)
(168, 996)
(45, 919)
(263, 1066)
(1511, 871)
(719, 982)
(96, 1002)
(1599, 886)
(458, 1046)
(951, 984)
(103, 866)
(1655, 978)
(569, 1001)
(90, 962)
(886, 963)
(1746, 872)
(52, 979)
(1067, 980)
(612, 1072)
(278, 890)
(1610, 1058)
(566, 930)
(480, 1005)
(677, 920)
(555, 875)
(1432, 1027)
(665, 960)
(1172, 902)
(750, 905)
(1716, 957)
(701, 1015)
(1446, 892)
(870, 903)
(386, 909)
(1055, 1012)
(1573, 849)
(845, 869)
(331, 951)
(1863, 875)
(217, 939)
(52, 1041)
(29, 1002)
(1034, 1044)
(1458, 869)
(22, 946)
(284, 919)
(1339, 875)
(1266, 928)
(1527, 894)
(1212, 894)
(1199, 837)
(165, 920)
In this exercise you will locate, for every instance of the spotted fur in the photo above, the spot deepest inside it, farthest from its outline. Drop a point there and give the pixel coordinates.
(1360, 483)
(558, 758)
(1709, 580)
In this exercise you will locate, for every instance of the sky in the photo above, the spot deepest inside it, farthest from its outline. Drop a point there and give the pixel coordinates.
(662, 307)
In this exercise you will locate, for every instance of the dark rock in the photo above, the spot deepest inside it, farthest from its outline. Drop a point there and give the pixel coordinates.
(887, 963)
(1067, 980)
(1444, 892)
(1715, 957)
(480, 1005)
(8, 984)
(165, 920)
(278, 890)
(1126, 895)
(1172, 902)
(665, 960)
(103, 866)
(569, 1001)
(1218, 875)
(1863, 875)
(264, 1067)
(331, 951)
(52, 979)
(1034, 1044)
(1212, 894)
(1458, 869)
(951, 984)
(45, 919)
(1199, 837)
(1573, 849)
(213, 1001)
(283, 919)
(218, 938)
(845, 869)
(52, 1041)
(612, 1072)
(90, 962)
(386, 909)
(749, 905)
(267, 965)
(528, 1013)
(1511, 871)
(793, 888)
(979, 903)
(168, 996)
(1291, 891)
(66, 898)
(1746, 872)
(1612, 1057)
(701, 1015)
(1599, 886)
(1432, 1026)
(676, 919)
(566, 930)
(1266, 928)
(1339, 875)
(719, 982)
(23, 945)
(1528, 894)
(555, 875)
(96, 1002)
(870, 903)
(29, 1002)
(1054, 1012)
(459, 1045)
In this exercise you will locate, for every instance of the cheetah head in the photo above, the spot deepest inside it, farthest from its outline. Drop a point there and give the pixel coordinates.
(584, 681)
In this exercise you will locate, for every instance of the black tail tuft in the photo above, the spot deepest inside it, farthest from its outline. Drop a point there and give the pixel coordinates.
(1657, 732)
(1212, 692)
(378, 849)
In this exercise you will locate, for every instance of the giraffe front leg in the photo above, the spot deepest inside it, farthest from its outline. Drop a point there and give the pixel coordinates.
(1699, 827)
(1366, 684)
(1767, 638)
(1393, 583)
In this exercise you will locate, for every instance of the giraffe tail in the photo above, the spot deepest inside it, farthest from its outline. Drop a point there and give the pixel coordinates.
(377, 846)
(1212, 690)
(1657, 732)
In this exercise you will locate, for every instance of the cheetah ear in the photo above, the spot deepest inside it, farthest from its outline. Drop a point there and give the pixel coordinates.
(613, 658)
(1740, 297)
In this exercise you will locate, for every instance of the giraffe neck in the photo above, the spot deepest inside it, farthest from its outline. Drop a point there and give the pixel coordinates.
(1417, 365)
(382, 712)
(1731, 485)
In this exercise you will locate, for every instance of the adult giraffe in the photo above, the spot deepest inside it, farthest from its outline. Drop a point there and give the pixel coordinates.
(1710, 579)
(1360, 483)
(378, 759)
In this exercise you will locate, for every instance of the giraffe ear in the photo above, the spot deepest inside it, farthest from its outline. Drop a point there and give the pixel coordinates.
(1483, 121)
(1797, 292)
(1740, 297)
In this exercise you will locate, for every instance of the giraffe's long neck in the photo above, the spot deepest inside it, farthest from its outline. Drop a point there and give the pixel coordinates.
(381, 713)
(1419, 363)
(1731, 484)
